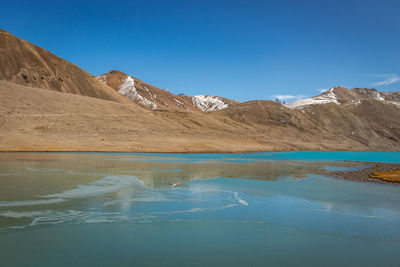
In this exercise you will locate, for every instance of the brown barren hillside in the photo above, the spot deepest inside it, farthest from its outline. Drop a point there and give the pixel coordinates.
(24, 63)
(155, 98)
(76, 123)
(210, 103)
(70, 122)
(368, 125)
(143, 93)
(72, 113)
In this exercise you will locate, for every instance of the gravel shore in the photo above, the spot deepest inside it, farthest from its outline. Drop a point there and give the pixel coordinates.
(364, 175)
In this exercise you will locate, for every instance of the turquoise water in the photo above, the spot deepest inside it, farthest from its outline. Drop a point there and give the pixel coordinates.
(256, 209)
(388, 157)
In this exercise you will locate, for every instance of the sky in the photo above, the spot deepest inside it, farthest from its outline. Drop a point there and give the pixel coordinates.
(243, 50)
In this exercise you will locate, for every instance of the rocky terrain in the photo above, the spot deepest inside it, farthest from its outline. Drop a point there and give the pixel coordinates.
(211, 103)
(69, 122)
(382, 173)
(24, 63)
(144, 94)
(49, 104)
(341, 95)
(155, 98)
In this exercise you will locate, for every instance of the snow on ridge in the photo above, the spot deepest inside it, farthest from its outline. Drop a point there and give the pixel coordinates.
(128, 89)
(180, 104)
(379, 97)
(208, 103)
(329, 96)
(325, 98)
(177, 101)
(397, 104)
(103, 78)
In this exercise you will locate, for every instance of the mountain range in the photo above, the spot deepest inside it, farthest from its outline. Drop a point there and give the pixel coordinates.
(50, 104)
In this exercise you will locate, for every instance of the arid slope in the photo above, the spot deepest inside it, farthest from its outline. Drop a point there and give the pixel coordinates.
(76, 123)
(70, 122)
(73, 112)
(24, 63)
(143, 93)
(154, 98)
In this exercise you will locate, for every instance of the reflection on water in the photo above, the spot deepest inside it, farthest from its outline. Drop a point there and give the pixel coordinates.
(40, 190)
(53, 188)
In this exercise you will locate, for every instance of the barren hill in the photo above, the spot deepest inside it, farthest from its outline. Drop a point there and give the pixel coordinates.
(144, 94)
(72, 113)
(24, 63)
(210, 103)
(341, 95)
(155, 98)
(77, 123)
(364, 125)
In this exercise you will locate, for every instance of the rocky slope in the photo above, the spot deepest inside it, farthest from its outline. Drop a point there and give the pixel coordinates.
(211, 103)
(72, 114)
(24, 63)
(70, 122)
(154, 98)
(77, 123)
(143, 93)
(368, 125)
(341, 95)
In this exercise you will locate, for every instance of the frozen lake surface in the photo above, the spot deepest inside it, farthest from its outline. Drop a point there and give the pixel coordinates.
(119, 209)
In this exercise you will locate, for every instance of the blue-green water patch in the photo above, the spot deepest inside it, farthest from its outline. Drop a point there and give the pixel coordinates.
(253, 209)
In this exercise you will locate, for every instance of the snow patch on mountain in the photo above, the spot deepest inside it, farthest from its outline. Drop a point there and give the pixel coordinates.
(103, 78)
(397, 104)
(347, 97)
(208, 103)
(180, 104)
(379, 97)
(325, 98)
(128, 89)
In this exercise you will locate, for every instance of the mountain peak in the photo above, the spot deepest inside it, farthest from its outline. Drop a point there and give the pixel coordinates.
(155, 98)
(143, 93)
(341, 95)
(27, 64)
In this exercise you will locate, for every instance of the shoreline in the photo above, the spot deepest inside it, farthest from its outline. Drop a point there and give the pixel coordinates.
(182, 152)
(383, 172)
(364, 175)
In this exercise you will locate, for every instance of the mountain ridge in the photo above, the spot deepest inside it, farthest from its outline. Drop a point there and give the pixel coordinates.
(25, 63)
(143, 93)
(342, 95)
(118, 112)
(155, 98)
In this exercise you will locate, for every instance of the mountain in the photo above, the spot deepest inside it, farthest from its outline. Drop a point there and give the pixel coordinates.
(155, 98)
(33, 119)
(370, 124)
(74, 113)
(210, 103)
(143, 93)
(341, 95)
(27, 64)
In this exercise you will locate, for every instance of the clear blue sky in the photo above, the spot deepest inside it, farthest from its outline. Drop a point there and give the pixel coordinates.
(238, 49)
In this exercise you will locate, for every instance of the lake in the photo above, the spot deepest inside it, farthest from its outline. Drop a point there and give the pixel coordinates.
(253, 209)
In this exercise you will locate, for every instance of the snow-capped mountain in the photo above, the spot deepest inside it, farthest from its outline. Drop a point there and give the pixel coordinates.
(341, 95)
(211, 103)
(155, 98)
(50, 104)
(144, 94)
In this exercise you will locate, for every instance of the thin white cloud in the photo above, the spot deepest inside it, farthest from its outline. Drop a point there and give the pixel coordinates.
(287, 97)
(389, 79)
